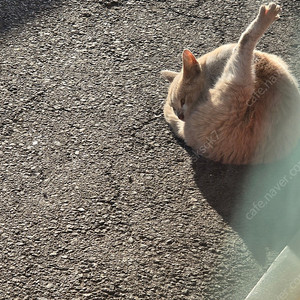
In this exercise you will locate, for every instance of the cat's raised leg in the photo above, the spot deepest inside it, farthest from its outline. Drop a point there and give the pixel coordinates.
(239, 69)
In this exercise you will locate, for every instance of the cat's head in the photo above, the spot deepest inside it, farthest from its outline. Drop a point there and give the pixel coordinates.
(186, 85)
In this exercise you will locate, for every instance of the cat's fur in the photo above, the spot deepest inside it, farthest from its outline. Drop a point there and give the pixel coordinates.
(235, 104)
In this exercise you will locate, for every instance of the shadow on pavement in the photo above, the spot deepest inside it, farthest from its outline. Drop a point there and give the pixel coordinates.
(261, 202)
(16, 12)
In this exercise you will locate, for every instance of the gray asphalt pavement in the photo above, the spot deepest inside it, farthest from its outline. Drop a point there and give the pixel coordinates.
(98, 199)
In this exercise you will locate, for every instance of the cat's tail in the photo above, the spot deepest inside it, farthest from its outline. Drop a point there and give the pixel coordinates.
(176, 124)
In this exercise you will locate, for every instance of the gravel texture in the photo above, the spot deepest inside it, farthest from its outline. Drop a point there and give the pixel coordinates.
(98, 200)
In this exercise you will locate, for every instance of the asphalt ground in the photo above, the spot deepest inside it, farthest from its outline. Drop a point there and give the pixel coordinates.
(98, 199)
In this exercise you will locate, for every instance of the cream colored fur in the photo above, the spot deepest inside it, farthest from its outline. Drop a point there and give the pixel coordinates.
(235, 104)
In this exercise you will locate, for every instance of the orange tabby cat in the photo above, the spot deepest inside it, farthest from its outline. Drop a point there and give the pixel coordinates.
(235, 104)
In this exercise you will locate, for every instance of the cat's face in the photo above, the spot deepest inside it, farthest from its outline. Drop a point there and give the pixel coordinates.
(185, 86)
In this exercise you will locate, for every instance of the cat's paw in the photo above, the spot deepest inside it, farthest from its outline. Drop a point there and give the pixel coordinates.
(269, 13)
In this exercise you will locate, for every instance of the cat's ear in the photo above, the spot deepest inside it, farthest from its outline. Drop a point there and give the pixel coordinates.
(190, 64)
(169, 75)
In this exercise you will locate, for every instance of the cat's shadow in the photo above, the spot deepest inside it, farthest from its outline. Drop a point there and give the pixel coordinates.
(260, 203)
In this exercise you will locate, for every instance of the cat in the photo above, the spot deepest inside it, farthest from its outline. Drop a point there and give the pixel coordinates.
(236, 105)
